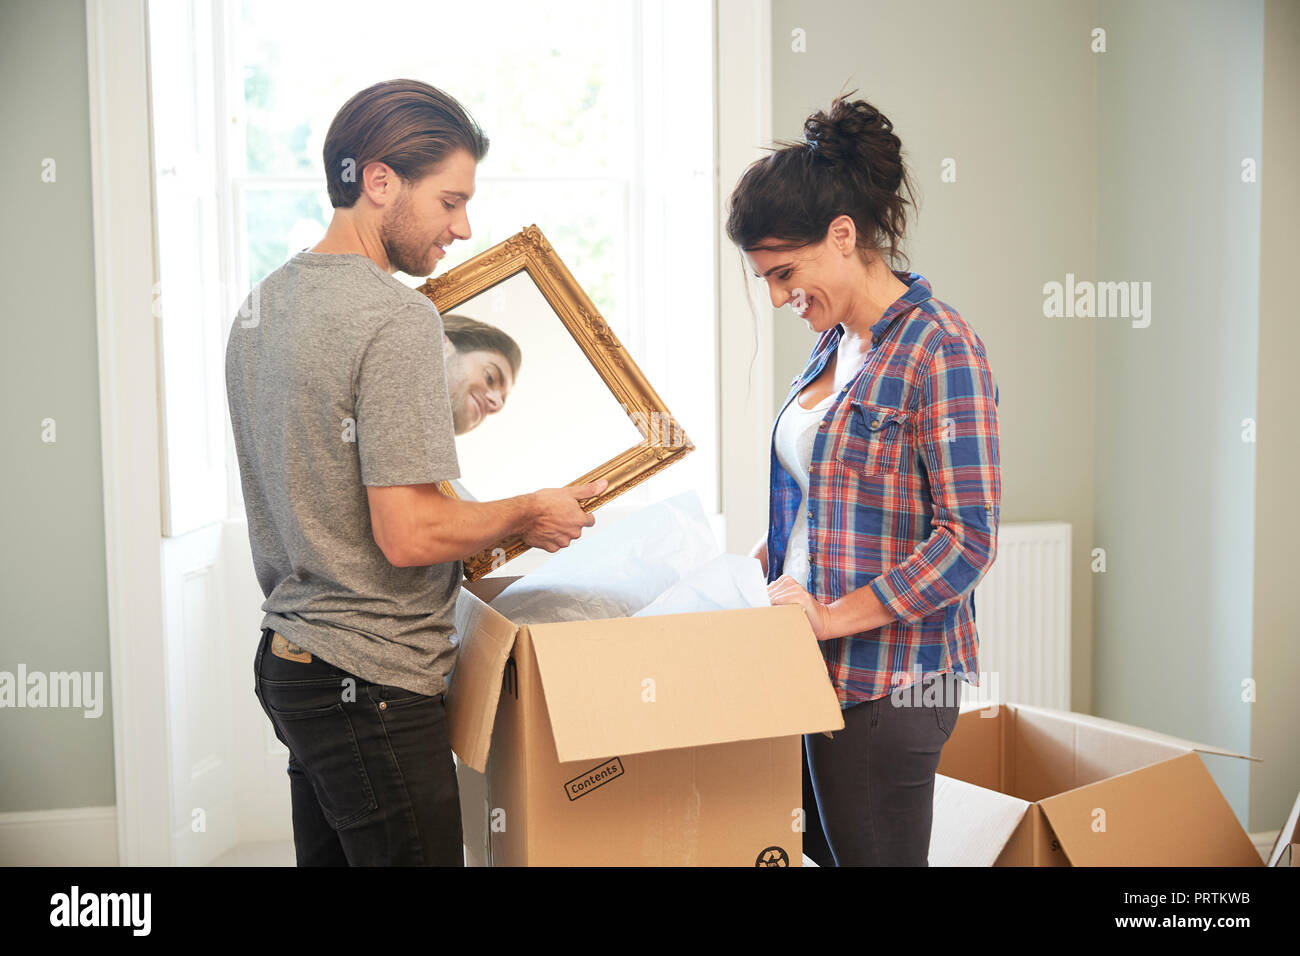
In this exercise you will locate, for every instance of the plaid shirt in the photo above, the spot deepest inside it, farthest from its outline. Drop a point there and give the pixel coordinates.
(904, 495)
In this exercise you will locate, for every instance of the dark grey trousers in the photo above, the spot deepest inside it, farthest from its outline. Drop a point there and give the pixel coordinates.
(868, 792)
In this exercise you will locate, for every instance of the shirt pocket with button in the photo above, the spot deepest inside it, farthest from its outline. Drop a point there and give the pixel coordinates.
(873, 439)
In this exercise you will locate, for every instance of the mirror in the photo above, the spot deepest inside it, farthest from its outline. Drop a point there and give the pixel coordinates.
(543, 394)
(516, 385)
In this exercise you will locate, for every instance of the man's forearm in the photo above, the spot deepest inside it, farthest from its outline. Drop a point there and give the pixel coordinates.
(451, 529)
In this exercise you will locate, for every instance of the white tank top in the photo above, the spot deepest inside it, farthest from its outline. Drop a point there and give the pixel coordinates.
(796, 430)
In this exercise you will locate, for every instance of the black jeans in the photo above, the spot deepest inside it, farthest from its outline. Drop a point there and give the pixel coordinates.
(868, 793)
(371, 777)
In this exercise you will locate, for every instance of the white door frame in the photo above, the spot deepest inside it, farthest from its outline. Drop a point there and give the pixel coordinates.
(121, 177)
(743, 100)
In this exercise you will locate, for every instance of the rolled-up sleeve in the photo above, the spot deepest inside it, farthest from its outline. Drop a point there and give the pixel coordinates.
(956, 428)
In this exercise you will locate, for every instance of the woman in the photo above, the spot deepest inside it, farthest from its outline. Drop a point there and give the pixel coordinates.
(885, 484)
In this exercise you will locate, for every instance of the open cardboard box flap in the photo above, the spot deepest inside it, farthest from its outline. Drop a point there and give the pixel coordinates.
(631, 685)
(1111, 793)
(638, 684)
(1114, 726)
(977, 826)
(1167, 814)
(1289, 834)
(486, 639)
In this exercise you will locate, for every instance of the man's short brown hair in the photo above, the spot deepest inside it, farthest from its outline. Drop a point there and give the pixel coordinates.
(470, 335)
(409, 125)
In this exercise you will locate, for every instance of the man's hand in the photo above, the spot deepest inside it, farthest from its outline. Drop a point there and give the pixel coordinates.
(557, 517)
(786, 590)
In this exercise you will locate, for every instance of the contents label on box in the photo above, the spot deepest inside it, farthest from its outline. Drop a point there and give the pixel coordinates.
(583, 784)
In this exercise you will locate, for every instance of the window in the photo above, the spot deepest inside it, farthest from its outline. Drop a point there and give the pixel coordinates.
(600, 118)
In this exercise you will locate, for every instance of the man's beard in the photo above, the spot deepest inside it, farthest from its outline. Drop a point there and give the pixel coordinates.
(398, 236)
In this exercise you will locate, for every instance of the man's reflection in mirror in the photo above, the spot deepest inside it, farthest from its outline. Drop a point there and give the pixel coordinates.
(482, 363)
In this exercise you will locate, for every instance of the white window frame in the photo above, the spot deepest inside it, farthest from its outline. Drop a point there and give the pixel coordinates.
(122, 197)
(643, 257)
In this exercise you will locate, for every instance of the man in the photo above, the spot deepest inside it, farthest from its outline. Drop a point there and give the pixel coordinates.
(343, 428)
(482, 364)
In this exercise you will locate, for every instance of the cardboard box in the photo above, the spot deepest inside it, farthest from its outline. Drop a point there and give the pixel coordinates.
(1029, 786)
(1286, 848)
(669, 740)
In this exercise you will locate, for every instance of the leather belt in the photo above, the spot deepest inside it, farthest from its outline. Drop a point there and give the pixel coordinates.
(281, 646)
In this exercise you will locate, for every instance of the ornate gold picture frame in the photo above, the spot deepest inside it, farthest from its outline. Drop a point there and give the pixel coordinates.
(663, 440)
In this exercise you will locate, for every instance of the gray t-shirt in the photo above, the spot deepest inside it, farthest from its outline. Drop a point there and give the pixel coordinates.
(335, 378)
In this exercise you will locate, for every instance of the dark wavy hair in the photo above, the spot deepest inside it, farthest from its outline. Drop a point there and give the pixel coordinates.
(848, 163)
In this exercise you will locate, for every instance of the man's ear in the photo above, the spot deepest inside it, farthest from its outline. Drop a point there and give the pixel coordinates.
(447, 346)
(380, 183)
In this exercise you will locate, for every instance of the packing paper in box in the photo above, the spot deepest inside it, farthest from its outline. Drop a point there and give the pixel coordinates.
(728, 581)
(619, 571)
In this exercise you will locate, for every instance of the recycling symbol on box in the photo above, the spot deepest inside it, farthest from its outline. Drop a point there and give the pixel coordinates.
(773, 856)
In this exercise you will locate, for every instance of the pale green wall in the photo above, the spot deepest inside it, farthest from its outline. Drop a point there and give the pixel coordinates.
(52, 580)
(1180, 98)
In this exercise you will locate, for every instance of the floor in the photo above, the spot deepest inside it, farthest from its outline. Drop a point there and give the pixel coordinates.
(281, 854)
(258, 854)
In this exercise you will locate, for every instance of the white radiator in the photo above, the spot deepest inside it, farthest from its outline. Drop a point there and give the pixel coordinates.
(1022, 614)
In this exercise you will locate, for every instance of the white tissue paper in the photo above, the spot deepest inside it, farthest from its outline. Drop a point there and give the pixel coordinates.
(663, 559)
(728, 581)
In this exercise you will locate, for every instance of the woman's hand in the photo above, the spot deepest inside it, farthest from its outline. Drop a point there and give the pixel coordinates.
(786, 590)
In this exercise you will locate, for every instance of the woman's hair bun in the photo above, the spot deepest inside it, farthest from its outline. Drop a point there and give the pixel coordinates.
(854, 133)
(848, 163)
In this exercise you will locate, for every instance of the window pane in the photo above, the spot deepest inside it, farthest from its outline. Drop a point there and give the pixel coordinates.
(549, 83)
(281, 221)
(585, 222)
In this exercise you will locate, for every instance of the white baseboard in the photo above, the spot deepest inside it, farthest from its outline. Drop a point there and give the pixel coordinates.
(83, 836)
